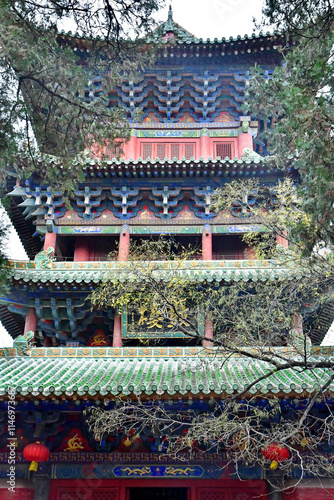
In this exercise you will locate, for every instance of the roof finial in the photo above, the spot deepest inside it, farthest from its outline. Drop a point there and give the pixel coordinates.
(170, 24)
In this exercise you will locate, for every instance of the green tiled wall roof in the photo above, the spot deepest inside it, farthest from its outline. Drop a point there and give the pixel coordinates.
(86, 272)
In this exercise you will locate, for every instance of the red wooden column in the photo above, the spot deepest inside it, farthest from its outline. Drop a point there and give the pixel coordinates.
(207, 255)
(82, 249)
(31, 321)
(299, 339)
(297, 329)
(117, 336)
(297, 323)
(50, 241)
(208, 333)
(205, 150)
(206, 243)
(123, 254)
(124, 244)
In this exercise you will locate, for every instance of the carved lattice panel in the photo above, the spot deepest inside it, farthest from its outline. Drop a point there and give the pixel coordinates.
(73, 495)
(79, 494)
(243, 495)
(105, 494)
(211, 494)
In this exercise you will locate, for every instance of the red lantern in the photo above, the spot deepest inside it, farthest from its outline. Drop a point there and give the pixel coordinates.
(275, 453)
(36, 452)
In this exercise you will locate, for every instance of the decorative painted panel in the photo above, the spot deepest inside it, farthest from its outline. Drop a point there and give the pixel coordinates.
(243, 495)
(87, 494)
(224, 133)
(168, 133)
(105, 494)
(166, 230)
(165, 471)
(226, 493)
(161, 229)
(74, 495)
(185, 125)
(212, 494)
(150, 330)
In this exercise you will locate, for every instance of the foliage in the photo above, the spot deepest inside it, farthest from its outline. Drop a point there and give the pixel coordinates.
(280, 211)
(48, 102)
(156, 303)
(299, 17)
(298, 102)
(240, 429)
(4, 271)
(159, 294)
(251, 320)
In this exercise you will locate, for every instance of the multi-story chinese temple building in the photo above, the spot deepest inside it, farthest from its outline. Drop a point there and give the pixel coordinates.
(192, 138)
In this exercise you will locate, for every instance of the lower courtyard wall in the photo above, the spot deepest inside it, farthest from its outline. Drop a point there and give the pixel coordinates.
(39, 486)
(159, 489)
(309, 489)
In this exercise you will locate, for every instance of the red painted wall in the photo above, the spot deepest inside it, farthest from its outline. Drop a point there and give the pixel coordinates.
(204, 146)
(19, 494)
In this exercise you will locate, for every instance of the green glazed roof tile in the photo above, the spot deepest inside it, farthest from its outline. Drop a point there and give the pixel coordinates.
(146, 374)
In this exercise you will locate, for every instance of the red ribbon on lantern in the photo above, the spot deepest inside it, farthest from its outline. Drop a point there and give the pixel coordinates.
(275, 453)
(36, 452)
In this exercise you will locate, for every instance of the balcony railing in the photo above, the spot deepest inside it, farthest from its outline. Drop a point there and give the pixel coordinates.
(215, 256)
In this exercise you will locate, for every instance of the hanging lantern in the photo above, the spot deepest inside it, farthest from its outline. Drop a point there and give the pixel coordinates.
(275, 453)
(36, 452)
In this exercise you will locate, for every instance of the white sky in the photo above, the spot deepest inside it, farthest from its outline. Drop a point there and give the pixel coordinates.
(214, 18)
(204, 19)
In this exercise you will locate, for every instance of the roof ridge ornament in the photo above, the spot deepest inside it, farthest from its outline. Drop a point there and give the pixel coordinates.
(170, 23)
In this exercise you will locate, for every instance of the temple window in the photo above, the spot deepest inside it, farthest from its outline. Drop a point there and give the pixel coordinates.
(169, 150)
(223, 149)
(114, 150)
